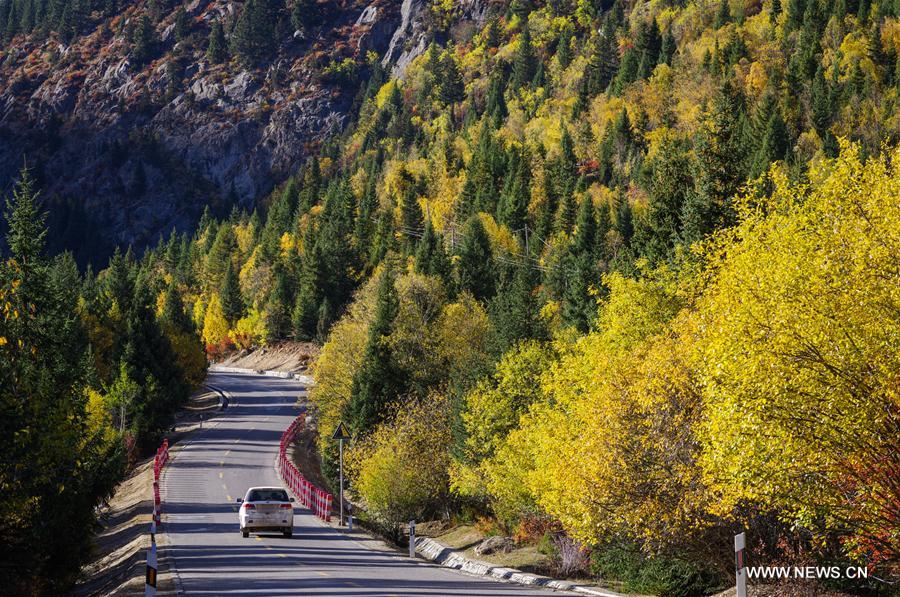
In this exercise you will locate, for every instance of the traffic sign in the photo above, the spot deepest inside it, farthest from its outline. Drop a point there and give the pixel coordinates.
(341, 433)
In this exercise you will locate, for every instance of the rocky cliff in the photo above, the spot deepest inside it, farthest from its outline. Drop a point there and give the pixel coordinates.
(126, 151)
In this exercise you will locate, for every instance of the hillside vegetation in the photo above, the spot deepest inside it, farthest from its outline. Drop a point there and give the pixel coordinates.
(617, 278)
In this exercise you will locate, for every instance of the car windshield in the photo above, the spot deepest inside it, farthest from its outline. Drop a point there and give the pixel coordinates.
(268, 495)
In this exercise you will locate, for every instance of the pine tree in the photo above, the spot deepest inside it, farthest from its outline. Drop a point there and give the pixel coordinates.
(216, 50)
(431, 258)
(312, 281)
(723, 15)
(514, 313)
(603, 64)
(182, 24)
(648, 44)
(278, 311)
(721, 166)
(143, 41)
(774, 144)
(378, 382)
(627, 73)
(668, 48)
(452, 88)
(525, 61)
(254, 38)
(565, 176)
(795, 11)
(304, 14)
(410, 215)
(231, 297)
(475, 269)
(578, 305)
(173, 310)
(670, 184)
(513, 207)
(564, 47)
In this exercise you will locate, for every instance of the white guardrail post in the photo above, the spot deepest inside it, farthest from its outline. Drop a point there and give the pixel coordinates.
(740, 565)
(152, 567)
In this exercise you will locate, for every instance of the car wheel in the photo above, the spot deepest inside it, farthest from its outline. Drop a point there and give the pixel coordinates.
(288, 533)
(245, 533)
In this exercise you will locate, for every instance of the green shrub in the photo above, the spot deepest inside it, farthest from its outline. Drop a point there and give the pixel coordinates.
(659, 575)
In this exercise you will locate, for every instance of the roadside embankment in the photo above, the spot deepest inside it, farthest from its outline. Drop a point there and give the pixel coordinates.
(118, 565)
(287, 357)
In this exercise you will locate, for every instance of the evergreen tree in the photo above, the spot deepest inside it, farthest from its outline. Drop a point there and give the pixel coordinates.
(668, 48)
(565, 176)
(723, 15)
(627, 73)
(564, 47)
(48, 499)
(603, 63)
(230, 296)
(216, 50)
(452, 88)
(579, 306)
(378, 382)
(431, 258)
(475, 268)
(774, 144)
(278, 310)
(254, 37)
(721, 167)
(182, 24)
(525, 61)
(670, 184)
(648, 44)
(304, 14)
(143, 41)
(795, 11)
(513, 207)
(173, 310)
(514, 313)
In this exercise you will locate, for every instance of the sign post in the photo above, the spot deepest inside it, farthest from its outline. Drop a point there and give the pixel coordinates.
(412, 538)
(740, 565)
(341, 434)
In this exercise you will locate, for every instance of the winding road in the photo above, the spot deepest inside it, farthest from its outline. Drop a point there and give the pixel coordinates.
(238, 450)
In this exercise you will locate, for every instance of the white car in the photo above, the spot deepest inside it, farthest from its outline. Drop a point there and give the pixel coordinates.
(266, 509)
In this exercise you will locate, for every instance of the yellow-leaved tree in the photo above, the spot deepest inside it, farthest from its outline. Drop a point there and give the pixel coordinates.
(799, 353)
(215, 326)
(400, 470)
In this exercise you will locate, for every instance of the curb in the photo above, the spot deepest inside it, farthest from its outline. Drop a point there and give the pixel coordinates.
(305, 379)
(439, 553)
(223, 397)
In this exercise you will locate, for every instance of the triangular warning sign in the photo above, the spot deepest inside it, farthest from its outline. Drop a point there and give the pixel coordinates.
(341, 432)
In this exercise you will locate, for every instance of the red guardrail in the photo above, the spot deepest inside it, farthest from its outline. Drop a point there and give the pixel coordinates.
(316, 499)
(162, 457)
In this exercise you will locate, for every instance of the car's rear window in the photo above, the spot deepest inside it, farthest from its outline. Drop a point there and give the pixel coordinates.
(268, 495)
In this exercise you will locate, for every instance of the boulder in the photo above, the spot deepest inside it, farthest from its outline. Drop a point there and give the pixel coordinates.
(495, 545)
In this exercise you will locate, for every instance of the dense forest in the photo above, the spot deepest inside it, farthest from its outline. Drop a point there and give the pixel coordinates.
(91, 372)
(621, 272)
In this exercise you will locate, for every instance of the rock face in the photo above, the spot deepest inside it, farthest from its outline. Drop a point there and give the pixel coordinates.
(125, 152)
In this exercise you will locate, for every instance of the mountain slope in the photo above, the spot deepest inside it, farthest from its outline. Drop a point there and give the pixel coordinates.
(130, 138)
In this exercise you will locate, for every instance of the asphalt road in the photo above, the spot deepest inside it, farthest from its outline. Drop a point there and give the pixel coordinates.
(237, 450)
